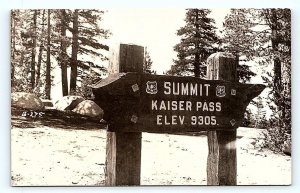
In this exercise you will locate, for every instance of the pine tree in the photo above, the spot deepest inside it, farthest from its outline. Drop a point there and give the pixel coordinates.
(60, 43)
(237, 40)
(148, 63)
(13, 27)
(48, 63)
(198, 41)
(41, 50)
(23, 38)
(33, 48)
(41, 38)
(63, 55)
(75, 46)
(279, 24)
(86, 34)
(264, 36)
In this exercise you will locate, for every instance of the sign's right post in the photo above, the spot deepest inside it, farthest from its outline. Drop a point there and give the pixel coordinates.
(221, 161)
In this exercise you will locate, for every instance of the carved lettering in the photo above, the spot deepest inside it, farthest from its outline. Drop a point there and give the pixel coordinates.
(189, 89)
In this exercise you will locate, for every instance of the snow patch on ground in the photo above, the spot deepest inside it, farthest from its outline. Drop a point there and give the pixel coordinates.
(59, 157)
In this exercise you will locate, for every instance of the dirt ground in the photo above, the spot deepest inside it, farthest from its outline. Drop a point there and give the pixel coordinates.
(52, 156)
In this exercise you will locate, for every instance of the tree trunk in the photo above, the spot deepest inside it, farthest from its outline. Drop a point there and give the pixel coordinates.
(277, 78)
(75, 46)
(22, 58)
(48, 63)
(197, 66)
(197, 54)
(41, 49)
(34, 35)
(64, 56)
(275, 38)
(13, 47)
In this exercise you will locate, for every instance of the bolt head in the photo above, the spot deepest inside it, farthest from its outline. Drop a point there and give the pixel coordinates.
(134, 118)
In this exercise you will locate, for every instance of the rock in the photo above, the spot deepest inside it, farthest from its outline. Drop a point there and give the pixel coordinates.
(26, 101)
(253, 142)
(47, 103)
(287, 149)
(68, 102)
(89, 108)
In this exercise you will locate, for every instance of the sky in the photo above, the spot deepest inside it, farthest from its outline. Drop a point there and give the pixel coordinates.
(152, 28)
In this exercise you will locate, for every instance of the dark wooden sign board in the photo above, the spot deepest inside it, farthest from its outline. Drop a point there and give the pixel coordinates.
(157, 103)
(135, 102)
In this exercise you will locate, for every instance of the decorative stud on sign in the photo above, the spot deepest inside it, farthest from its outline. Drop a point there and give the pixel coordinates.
(233, 92)
(232, 122)
(135, 87)
(134, 118)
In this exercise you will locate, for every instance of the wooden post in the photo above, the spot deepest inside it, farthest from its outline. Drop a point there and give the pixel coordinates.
(221, 161)
(123, 150)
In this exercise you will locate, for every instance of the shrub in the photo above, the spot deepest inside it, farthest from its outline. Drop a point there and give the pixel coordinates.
(276, 136)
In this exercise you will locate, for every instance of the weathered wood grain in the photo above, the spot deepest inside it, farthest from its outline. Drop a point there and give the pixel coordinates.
(221, 160)
(123, 150)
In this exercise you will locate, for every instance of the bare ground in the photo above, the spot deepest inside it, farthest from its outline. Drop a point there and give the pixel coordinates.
(74, 156)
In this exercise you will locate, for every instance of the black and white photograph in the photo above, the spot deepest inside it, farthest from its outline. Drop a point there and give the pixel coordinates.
(151, 97)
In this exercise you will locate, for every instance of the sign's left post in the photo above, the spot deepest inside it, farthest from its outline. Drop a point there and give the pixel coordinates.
(123, 149)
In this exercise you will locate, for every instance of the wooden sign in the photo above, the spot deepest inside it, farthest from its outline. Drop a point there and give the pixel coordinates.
(163, 104)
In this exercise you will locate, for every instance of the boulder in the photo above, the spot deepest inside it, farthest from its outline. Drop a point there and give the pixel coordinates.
(26, 101)
(68, 102)
(47, 103)
(287, 149)
(89, 108)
